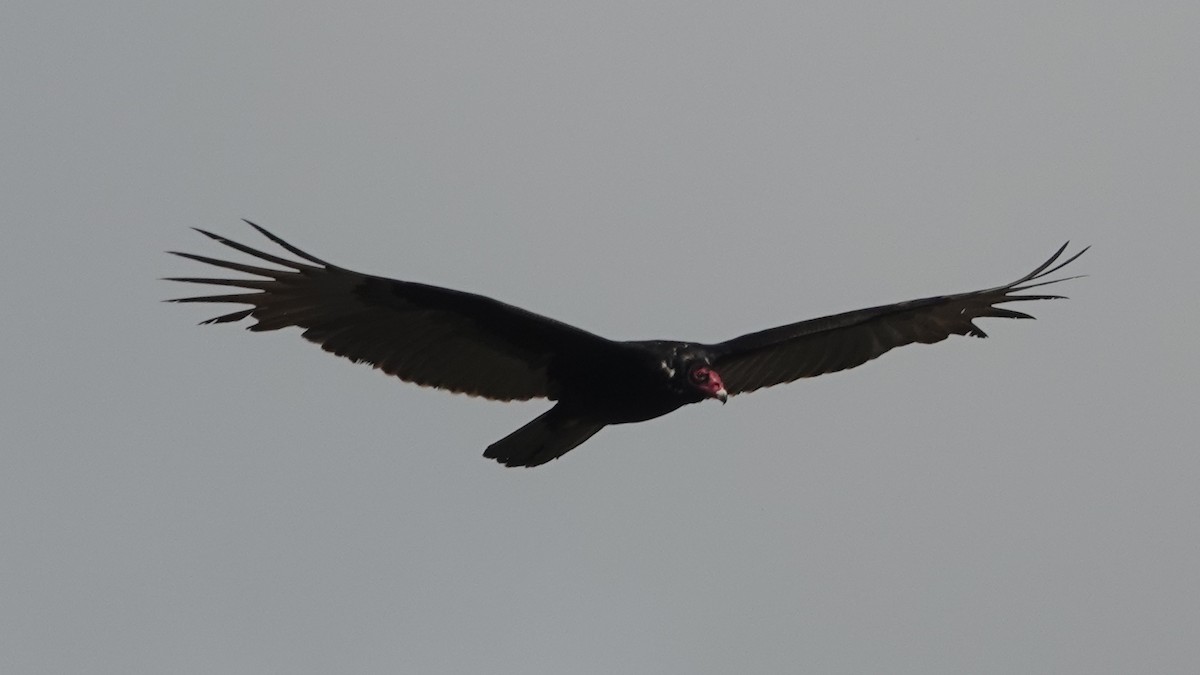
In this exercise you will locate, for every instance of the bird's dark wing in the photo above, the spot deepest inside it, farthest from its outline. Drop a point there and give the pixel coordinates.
(833, 343)
(431, 336)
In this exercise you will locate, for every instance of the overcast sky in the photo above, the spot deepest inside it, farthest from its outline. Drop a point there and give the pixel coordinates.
(184, 499)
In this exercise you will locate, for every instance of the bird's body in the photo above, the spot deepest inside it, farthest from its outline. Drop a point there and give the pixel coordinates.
(472, 344)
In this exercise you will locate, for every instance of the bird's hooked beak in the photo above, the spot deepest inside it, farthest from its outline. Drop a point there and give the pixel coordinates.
(721, 395)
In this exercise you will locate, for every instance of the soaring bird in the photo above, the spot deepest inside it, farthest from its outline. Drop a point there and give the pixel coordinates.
(474, 345)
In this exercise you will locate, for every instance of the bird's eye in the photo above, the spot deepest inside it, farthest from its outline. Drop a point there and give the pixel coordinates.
(700, 375)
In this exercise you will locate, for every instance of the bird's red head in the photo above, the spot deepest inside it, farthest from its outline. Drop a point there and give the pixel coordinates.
(706, 380)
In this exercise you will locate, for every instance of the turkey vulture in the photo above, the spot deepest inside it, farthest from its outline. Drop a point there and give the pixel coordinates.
(471, 344)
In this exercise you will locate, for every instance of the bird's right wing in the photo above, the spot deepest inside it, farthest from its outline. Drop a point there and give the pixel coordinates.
(427, 335)
(833, 343)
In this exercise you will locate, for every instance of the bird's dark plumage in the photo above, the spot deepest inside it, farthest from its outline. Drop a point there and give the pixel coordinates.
(475, 345)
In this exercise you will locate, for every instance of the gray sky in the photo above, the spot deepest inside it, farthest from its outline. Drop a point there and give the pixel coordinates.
(183, 499)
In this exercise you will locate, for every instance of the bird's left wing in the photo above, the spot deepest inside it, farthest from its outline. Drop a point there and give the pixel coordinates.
(833, 343)
(427, 335)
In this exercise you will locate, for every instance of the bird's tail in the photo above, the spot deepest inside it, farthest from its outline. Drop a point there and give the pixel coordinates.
(547, 437)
